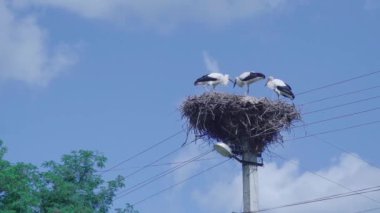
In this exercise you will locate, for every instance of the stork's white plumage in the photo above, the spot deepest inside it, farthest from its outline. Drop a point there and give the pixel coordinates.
(212, 79)
(280, 87)
(247, 78)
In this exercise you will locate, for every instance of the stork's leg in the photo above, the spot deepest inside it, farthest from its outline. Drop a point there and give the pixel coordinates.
(247, 89)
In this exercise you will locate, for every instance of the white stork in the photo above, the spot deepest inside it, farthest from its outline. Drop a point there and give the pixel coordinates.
(280, 88)
(247, 78)
(212, 79)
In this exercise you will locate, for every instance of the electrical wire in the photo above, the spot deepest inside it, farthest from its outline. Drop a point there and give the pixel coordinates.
(325, 198)
(323, 177)
(164, 164)
(153, 162)
(339, 95)
(335, 130)
(341, 105)
(368, 210)
(158, 176)
(345, 151)
(181, 182)
(143, 151)
(271, 130)
(338, 82)
(338, 117)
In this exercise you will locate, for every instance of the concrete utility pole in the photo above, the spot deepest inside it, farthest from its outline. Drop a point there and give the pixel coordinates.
(250, 182)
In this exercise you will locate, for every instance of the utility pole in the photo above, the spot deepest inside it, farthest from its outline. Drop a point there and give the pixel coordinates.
(250, 178)
(250, 182)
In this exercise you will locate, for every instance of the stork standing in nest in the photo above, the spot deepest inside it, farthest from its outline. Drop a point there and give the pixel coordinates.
(280, 88)
(247, 78)
(212, 79)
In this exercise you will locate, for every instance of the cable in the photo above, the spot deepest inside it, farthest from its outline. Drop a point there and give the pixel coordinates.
(180, 182)
(325, 198)
(339, 95)
(158, 176)
(153, 162)
(335, 130)
(345, 151)
(143, 151)
(338, 82)
(338, 117)
(165, 164)
(368, 210)
(341, 105)
(323, 177)
(320, 121)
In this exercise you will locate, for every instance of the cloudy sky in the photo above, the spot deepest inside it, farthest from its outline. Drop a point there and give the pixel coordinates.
(110, 75)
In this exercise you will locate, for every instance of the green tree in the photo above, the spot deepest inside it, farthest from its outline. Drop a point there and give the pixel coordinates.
(19, 186)
(74, 185)
(128, 209)
(69, 186)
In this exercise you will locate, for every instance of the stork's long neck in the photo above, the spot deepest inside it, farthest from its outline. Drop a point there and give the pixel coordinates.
(239, 82)
(225, 79)
(269, 84)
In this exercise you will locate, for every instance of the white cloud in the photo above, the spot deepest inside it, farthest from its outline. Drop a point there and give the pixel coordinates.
(211, 63)
(287, 184)
(24, 54)
(166, 14)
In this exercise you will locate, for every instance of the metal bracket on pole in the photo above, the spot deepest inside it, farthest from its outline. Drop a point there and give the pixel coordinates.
(244, 162)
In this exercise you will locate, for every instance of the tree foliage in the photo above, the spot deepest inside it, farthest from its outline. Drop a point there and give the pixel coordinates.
(71, 185)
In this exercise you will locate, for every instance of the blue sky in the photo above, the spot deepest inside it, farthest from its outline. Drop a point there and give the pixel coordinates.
(110, 76)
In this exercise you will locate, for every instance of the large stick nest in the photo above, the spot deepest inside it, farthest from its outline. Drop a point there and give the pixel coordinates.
(234, 119)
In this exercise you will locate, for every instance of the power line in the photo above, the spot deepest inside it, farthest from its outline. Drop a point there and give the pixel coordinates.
(338, 117)
(345, 151)
(325, 198)
(368, 210)
(335, 130)
(164, 164)
(338, 82)
(158, 176)
(341, 105)
(339, 95)
(143, 151)
(319, 121)
(153, 162)
(325, 178)
(180, 182)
